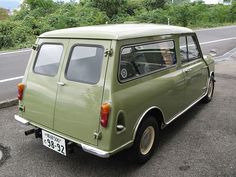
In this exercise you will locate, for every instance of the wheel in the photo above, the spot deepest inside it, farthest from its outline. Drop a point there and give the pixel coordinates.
(210, 90)
(145, 141)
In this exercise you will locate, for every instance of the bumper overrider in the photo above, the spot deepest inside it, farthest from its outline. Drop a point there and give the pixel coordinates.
(86, 148)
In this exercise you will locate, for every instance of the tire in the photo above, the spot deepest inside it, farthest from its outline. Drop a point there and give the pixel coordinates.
(145, 141)
(210, 90)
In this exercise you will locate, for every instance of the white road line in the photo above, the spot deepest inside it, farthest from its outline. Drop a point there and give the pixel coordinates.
(11, 79)
(216, 28)
(219, 40)
(18, 51)
(20, 77)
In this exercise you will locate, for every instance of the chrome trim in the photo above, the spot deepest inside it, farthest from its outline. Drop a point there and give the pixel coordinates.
(101, 153)
(95, 151)
(21, 120)
(85, 147)
(179, 114)
(166, 123)
(141, 118)
(61, 83)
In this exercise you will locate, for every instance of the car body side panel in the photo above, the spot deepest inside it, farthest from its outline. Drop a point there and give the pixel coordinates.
(164, 89)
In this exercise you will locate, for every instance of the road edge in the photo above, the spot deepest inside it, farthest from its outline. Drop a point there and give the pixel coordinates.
(230, 55)
(8, 103)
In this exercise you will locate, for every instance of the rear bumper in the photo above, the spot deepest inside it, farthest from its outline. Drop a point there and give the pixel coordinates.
(85, 147)
(21, 120)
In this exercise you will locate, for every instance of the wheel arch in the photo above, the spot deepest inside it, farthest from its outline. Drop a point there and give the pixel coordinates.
(212, 74)
(153, 111)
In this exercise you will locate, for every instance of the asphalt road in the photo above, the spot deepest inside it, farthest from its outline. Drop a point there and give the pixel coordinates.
(13, 64)
(200, 143)
(222, 39)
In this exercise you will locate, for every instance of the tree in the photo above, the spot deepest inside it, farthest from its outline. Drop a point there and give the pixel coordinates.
(41, 7)
(179, 1)
(3, 14)
(34, 4)
(154, 4)
(233, 11)
(111, 7)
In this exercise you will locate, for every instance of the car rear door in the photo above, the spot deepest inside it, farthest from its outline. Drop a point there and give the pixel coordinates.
(41, 83)
(81, 84)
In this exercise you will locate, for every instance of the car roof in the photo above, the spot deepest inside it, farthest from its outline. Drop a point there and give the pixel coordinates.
(116, 31)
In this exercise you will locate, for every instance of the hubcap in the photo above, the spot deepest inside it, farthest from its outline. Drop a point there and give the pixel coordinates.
(1, 155)
(4, 154)
(147, 140)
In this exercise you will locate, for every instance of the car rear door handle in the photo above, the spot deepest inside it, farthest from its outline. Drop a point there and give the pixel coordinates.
(61, 83)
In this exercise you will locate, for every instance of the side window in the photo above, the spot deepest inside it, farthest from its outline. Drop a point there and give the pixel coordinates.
(188, 49)
(48, 59)
(138, 60)
(193, 52)
(85, 64)
(183, 49)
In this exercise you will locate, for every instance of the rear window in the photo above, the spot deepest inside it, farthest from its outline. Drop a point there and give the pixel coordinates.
(85, 64)
(48, 59)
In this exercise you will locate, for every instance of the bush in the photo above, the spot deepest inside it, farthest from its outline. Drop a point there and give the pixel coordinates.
(154, 16)
(13, 34)
(232, 12)
(37, 17)
(75, 16)
(154, 4)
(6, 39)
(110, 7)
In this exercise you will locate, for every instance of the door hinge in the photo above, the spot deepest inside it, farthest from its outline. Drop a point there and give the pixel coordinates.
(97, 135)
(35, 47)
(108, 52)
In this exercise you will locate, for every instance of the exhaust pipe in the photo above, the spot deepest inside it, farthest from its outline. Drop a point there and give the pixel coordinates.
(37, 132)
(29, 132)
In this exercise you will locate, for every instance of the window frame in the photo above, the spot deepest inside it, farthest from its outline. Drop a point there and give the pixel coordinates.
(149, 73)
(70, 56)
(37, 55)
(195, 39)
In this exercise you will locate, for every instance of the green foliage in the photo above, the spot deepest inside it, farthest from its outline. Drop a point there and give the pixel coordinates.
(13, 34)
(154, 4)
(154, 16)
(111, 7)
(232, 11)
(219, 14)
(74, 15)
(3, 14)
(38, 16)
(179, 1)
(43, 5)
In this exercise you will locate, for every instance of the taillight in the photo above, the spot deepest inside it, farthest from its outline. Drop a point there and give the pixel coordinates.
(105, 110)
(20, 87)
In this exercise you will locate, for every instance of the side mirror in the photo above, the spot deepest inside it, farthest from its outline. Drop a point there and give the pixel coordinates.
(212, 52)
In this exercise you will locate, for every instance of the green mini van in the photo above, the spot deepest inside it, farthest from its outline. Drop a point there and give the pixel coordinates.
(111, 87)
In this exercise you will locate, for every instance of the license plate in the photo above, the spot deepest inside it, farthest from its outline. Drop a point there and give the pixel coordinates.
(54, 142)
